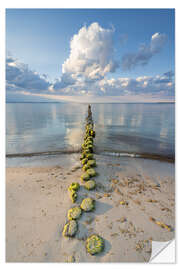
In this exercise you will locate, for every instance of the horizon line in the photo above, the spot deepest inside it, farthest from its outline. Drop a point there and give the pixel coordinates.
(159, 102)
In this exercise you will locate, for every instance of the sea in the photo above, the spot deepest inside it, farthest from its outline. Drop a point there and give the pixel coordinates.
(42, 130)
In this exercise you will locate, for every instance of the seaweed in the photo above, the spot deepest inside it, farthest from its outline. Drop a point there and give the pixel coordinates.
(87, 204)
(74, 213)
(91, 163)
(85, 177)
(70, 228)
(73, 196)
(86, 167)
(74, 186)
(89, 156)
(161, 224)
(83, 155)
(94, 244)
(91, 172)
(84, 161)
(91, 184)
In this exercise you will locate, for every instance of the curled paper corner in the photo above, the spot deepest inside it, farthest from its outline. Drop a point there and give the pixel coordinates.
(163, 252)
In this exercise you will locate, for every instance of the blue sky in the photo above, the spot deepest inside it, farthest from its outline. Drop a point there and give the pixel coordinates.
(131, 43)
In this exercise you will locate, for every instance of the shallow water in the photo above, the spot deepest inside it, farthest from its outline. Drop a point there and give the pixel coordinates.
(120, 128)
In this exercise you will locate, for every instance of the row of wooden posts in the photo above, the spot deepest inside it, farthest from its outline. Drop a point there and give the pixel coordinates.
(94, 243)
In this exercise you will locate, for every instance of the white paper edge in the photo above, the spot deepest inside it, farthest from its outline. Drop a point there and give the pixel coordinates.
(163, 252)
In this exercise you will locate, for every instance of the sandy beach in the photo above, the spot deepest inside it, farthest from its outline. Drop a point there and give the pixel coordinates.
(37, 203)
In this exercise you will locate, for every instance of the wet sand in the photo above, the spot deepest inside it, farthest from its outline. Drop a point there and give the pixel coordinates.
(37, 203)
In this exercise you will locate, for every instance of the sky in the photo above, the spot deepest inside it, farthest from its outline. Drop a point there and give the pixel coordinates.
(90, 55)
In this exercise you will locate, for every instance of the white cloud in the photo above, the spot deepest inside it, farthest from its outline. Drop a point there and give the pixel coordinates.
(21, 79)
(145, 52)
(91, 53)
(157, 42)
(85, 70)
(19, 76)
(163, 84)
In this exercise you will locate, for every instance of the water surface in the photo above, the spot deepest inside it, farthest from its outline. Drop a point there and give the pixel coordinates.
(120, 128)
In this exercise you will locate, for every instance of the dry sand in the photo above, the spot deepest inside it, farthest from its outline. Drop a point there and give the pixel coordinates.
(37, 203)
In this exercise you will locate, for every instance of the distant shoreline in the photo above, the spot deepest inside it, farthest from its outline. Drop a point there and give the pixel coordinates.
(168, 102)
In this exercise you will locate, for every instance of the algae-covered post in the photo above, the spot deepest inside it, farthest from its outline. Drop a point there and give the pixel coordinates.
(95, 243)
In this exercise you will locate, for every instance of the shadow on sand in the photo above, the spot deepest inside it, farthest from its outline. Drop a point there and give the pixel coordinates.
(101, 208)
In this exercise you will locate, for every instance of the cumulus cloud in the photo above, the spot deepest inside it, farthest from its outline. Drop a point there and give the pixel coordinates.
(21, 79)
(91, 53)
(19, 76)
(145, 52)
(84, 72)
(65, 80)
(90, 59)
(159, 84)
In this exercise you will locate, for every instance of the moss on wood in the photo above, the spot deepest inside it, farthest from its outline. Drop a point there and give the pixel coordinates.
(70, 228)
(74, 213)
(94, 244)
(91, 172)
(87, 204)
(91, 184)
(85, 176)
(91, 163)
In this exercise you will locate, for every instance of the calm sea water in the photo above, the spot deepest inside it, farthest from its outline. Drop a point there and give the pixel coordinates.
(120, 128)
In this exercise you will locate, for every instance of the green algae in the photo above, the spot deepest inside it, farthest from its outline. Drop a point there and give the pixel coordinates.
(70, 228)
(72, 191)
(86, 167)
(83, 155)
(89, 149)
(94, 244)
(74, 186)
(84, 161)
(73, 195)
(92, 133)
(89, 156)
(85, 176)
(90, 138)
(88, 145)
(74, 213)
(87, 204)
(91, 172)
(91, 163)
(91, 184)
